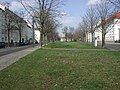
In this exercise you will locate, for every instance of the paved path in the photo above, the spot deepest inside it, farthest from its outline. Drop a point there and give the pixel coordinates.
(9, 59)
(113, 46)
(76, 49)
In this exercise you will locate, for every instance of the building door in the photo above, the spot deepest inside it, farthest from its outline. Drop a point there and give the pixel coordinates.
(22, 40)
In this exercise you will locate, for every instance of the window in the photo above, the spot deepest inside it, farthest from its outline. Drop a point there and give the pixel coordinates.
(2, 39)
(3, 31)
(5, 38)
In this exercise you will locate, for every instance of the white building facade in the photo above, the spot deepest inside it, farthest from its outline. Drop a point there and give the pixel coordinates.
(63, 37)
(37, 35)
(113, 31)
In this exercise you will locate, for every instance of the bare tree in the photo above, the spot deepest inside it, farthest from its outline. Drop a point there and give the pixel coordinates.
(104, 11)
(84, 27)
(80, 32)
(9, 17)
(12, 23)
(57, 36)
(116, 3)
(50, 29)
(77, 35)
(70, 33)
(43, 10)
(91, 20)
(20, 24)
(6, 4)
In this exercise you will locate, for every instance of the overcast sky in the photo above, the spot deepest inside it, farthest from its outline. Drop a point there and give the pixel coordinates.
(74, 10)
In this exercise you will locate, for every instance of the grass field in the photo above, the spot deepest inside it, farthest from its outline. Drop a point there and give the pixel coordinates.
(49, 69)
(78, 45)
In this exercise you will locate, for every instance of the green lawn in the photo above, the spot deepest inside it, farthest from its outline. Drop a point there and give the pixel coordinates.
(49, 69)
(79, 45)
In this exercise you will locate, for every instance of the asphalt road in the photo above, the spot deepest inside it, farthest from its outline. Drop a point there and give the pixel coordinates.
(5, 51)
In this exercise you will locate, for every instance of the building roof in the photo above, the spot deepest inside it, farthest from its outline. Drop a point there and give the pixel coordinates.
(116, 15)
(6, 9)
(2, 7)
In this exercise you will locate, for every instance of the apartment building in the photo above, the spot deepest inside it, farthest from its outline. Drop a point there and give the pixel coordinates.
(113, 29)
(13, 28)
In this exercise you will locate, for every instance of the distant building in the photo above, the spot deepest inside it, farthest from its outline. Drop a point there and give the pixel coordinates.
(63, 37)
(88, 37)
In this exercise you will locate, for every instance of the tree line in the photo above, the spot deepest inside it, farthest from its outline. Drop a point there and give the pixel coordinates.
(44, 13)
(41, 14)
(96, 14)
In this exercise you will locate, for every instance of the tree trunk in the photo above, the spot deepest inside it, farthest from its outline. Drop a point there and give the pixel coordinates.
(92, 39)
(41, 39)
(8, 38)
(103, 35)
(71, 39)
(86, 37)
(20, 37)
(46, 38)
(52, 36)
(103, 39)
(42, 29)
(66, 39)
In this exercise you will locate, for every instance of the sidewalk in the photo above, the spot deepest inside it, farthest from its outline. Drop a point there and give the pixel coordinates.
(8, 50)
(11, 58)
(75, 49)
(113, 46)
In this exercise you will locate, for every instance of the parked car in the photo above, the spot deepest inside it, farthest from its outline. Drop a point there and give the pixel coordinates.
(36, 42)
(2, 44)
(117, 41)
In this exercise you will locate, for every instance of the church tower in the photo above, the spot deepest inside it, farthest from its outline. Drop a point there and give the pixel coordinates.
(63, 39)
